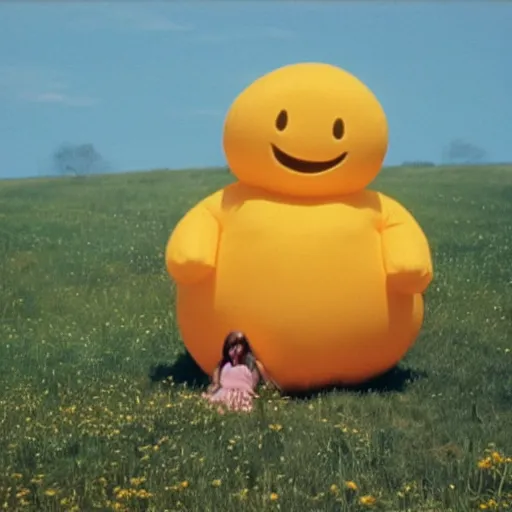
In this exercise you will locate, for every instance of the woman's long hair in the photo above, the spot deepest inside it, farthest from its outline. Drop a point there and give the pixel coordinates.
(235, 338)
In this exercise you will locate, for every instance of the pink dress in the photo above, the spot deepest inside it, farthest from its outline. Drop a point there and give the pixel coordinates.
(237, 385)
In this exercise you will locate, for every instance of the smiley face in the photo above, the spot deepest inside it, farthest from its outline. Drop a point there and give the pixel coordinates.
(307, 166)
(307, 130)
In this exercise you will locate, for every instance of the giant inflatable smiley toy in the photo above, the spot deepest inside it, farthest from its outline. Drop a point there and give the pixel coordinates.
(324, 276)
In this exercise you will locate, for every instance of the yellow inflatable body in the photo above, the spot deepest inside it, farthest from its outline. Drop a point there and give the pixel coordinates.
(324, 276)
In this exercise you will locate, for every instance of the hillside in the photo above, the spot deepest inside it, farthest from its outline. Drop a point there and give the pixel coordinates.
(87, 309)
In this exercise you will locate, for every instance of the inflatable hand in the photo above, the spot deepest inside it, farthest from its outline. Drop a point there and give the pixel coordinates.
(191, 252)
(407, 258)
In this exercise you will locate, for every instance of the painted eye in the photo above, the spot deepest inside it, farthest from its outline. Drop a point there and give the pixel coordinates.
(338, 129)
(282, 120)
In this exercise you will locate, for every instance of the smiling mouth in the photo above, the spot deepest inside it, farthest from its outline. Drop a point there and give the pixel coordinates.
(305, 166)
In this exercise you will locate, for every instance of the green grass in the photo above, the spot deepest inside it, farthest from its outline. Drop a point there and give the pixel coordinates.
(86, 309)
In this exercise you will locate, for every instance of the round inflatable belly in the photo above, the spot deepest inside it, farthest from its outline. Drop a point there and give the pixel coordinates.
(311, 297)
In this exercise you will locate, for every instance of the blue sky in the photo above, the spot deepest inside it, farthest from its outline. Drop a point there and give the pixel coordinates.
(149, 83)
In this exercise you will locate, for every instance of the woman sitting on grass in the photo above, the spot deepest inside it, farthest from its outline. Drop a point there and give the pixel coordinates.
(236, 376)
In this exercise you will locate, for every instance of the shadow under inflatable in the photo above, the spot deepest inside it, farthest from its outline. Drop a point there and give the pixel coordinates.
(183, 371)
(186, 371)
(395, 380)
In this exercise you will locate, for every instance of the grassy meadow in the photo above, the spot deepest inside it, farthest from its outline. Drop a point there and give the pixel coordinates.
(100, 407)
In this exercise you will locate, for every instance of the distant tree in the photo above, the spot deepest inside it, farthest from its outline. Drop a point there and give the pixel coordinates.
(79, 160)
(463, 152)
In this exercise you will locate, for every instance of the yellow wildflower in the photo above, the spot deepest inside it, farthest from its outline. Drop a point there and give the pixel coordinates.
(497, 458)
(485, 463)
(184, 484)
(275, 427)
(274, 496)
(217, 482)
(367, 500)
(334, 489)
(143, 494)
(50, 492)
(123, 494)
(491, 504)
(351, 485)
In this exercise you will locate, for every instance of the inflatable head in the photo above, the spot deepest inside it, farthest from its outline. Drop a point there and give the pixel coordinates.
(307, 130)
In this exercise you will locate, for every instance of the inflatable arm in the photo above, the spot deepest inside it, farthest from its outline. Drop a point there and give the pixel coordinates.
(191, 252)
(407, 258)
